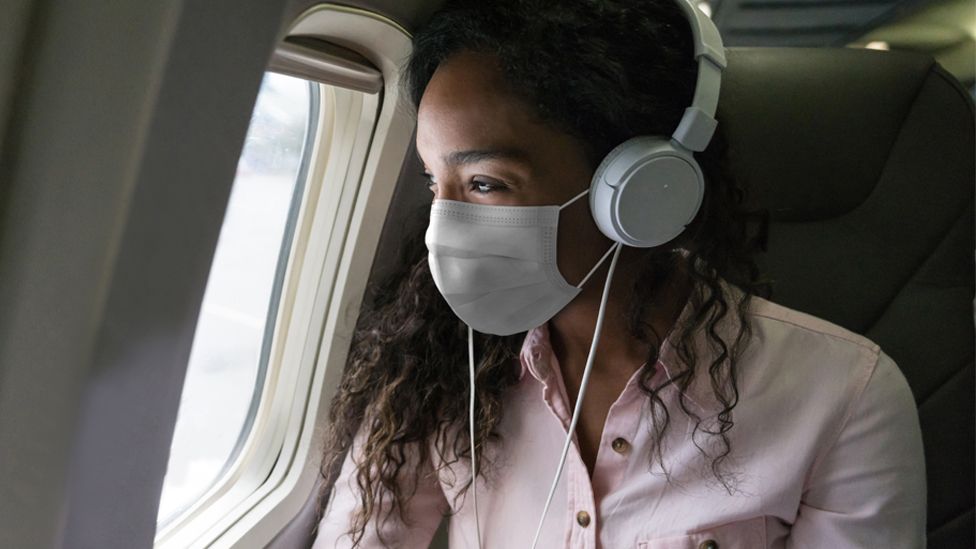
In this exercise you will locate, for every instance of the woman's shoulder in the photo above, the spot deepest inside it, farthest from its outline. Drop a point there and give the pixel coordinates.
(782, 334)
(791, 364)
(809, 359)
(788, 322)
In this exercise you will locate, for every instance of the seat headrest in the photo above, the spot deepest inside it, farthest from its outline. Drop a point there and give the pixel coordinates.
(811, 129)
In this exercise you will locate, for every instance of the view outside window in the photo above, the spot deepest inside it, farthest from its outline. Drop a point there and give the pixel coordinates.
(226, 369)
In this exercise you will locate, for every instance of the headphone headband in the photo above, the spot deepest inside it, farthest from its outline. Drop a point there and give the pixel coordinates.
(698, 122)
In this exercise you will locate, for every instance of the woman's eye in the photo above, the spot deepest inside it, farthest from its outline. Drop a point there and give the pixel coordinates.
(479, 186)
(485, 187)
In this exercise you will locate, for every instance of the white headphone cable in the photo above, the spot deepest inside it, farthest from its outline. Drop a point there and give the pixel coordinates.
(582, 390)
(474, 470)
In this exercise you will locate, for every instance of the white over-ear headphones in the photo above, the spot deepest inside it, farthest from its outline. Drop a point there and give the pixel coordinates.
(648, 188)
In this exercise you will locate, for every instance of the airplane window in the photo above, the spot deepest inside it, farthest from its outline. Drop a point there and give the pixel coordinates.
(230, 349)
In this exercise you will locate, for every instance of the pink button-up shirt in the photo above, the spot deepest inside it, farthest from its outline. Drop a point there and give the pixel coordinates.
(826, 453)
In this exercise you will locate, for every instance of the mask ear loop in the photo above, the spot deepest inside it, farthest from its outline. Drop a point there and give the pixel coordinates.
(604, 257)
(474, 470)
(574, 199)
(582, 390)
(597, 266)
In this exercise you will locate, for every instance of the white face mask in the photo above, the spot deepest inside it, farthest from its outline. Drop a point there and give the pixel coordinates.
(496, 265)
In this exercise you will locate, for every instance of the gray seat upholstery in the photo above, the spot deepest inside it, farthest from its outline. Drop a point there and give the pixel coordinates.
(865, 162)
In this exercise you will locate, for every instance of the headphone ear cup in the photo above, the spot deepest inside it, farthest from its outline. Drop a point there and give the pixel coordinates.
(645, 191)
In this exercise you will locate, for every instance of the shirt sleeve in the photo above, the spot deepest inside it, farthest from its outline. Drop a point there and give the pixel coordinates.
(868, 488)
(421, 513)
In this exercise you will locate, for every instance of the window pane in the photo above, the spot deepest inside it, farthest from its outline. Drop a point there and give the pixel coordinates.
(229, 352)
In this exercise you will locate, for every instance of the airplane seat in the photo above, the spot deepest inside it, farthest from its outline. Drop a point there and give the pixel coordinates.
(864, 161)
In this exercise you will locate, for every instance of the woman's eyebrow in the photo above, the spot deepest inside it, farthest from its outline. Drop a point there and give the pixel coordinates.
(458, 158)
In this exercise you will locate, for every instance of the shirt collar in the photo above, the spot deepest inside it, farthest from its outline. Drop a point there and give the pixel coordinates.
(536, 352)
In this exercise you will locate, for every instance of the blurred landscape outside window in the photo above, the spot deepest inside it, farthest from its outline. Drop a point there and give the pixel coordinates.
(227, 360)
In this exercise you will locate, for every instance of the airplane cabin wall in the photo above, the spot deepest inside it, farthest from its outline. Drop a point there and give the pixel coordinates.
(121, 127)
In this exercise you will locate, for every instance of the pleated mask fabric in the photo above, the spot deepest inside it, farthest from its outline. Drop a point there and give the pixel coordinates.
(496, 265)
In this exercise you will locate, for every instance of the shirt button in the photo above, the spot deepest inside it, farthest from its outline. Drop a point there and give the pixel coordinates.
(583, 519)
(620, 445)
(708, 544)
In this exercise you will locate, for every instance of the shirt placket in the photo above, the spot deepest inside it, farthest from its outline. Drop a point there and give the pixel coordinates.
(617, 440)
(580, 503)
(582, 509)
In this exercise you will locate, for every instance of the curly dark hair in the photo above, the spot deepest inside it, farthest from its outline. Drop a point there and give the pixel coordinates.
(602, 71)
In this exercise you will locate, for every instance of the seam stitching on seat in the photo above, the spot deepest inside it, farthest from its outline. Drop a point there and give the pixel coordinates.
(949, 379)
(887, 159)
(954, 84)
(914, 271)
(965, 512)
(894, 142)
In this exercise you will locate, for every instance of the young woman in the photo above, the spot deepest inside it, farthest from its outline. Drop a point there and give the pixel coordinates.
(712, 418)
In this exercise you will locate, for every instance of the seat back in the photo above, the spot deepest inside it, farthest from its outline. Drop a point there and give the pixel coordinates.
(865, 163)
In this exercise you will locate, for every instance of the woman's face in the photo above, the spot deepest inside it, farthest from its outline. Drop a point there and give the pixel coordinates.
(481, 144)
